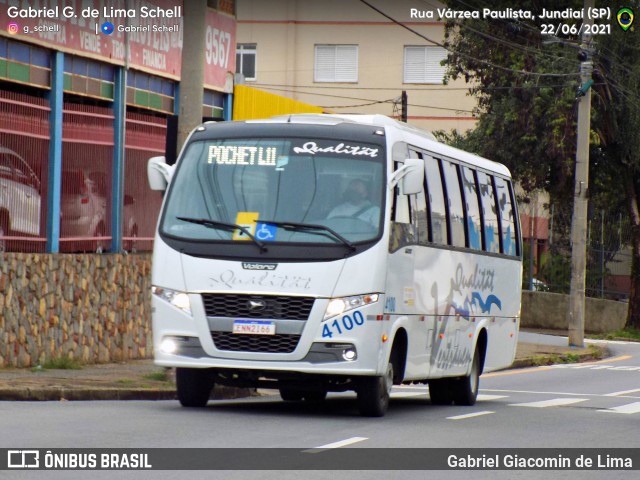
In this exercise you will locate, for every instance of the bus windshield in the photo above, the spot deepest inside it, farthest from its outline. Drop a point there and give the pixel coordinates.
(283, 190)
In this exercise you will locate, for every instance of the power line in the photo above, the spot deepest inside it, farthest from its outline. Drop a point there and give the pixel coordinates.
(372, 101)
(415, 89)
(485, 62)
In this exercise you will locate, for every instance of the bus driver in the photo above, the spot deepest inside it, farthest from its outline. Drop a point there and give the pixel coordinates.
(357, 205)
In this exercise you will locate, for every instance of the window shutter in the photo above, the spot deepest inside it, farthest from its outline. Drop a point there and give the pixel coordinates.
(413, 64)
(434, 72)
(422, 64)
(336, 63)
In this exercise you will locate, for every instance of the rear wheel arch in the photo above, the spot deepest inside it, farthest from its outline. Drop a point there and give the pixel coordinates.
(481, 346)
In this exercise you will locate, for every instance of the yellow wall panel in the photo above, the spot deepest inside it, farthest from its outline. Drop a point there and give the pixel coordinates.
(250, 103)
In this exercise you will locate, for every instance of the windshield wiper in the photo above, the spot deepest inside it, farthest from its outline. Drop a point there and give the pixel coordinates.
(224, 226)
(312, 228)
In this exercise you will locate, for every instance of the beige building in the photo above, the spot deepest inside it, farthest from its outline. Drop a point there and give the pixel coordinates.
(346, 57)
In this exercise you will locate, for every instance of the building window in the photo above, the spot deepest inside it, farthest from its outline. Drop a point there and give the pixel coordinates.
(422, 64)
(336, 63)
(246, 60)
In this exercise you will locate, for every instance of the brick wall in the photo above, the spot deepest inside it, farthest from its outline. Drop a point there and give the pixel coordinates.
(93, 308)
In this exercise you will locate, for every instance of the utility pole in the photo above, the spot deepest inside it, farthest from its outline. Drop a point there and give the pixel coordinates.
(192, 71)
(581, 190)
(405, 106)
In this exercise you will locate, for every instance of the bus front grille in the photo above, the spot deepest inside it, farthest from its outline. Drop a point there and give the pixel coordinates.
(255, 343)
(257, 306)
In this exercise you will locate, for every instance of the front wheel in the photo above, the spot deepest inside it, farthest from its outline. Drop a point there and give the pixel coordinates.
(194, 386)
(374, 393)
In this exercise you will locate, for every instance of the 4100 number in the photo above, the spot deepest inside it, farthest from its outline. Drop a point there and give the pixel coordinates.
(346, 323)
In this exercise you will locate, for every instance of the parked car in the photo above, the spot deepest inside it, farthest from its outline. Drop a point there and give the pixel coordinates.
(83, 209)
(102, 183)
(20, 200)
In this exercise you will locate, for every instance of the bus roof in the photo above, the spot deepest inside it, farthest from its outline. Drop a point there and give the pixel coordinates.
(408, 133)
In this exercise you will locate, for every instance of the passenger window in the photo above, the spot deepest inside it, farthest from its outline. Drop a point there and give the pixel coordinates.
(473, 208)
(435, 196)
(490, 213)
(507, 217)
(456, 209)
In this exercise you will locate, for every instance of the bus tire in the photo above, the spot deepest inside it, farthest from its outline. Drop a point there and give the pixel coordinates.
(291, 395)
(440, 391)
(465, 391)
(315, 395)
(194, 386)
(374, 393)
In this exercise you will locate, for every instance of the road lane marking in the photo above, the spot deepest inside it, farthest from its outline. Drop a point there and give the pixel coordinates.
(519, 371)
(593, 366)
(555, 402)
(407, 394)
(546, 393)
(486, 398)
(614, 359)
(624, 392)
(470, 415)
(626, 409)
(339, 444)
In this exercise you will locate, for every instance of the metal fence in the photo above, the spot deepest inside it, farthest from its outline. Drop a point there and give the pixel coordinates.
(608, 267)
(86, 204)
(24, 153)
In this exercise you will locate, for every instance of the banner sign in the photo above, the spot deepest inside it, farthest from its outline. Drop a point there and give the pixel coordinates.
(320, 459)
(151, 30)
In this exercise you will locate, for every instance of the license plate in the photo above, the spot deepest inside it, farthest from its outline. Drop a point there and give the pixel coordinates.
(254, 327)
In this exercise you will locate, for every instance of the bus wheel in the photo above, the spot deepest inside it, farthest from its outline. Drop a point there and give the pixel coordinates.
(194, 386)
(465, 391)
(440, 391)
(290, 395)
(374, 392)
(315, 395)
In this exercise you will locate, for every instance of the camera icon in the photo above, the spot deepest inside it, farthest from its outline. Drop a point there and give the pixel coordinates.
(13, 28)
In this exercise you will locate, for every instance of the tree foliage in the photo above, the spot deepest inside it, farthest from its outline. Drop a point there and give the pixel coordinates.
(525, 84)
(525, 92)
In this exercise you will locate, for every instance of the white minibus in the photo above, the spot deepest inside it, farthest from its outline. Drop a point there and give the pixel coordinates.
(331, 253)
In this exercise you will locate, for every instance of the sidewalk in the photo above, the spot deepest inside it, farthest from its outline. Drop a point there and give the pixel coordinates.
(142, 380)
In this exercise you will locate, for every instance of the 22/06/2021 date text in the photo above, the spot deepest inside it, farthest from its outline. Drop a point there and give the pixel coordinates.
(567, 29)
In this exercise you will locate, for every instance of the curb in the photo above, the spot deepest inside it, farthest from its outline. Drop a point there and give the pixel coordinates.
(61, 394)
(42, 394)
(597, 353)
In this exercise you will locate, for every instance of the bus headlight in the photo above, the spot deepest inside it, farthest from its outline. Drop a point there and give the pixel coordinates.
(177, 299)
(338, 306)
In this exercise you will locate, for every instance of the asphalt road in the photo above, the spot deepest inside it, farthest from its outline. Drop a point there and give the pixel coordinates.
(593, 405)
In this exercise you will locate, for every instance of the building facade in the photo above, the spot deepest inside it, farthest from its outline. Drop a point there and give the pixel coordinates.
(350, 56)
(88, 91)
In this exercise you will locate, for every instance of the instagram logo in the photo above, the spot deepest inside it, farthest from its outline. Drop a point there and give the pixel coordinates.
(13, 28)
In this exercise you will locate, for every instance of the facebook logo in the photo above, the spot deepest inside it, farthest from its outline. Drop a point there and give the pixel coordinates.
(23, 459)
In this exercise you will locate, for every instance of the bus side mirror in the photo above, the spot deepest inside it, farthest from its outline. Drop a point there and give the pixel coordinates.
(410, 176)
(159, 173)
(414, 179)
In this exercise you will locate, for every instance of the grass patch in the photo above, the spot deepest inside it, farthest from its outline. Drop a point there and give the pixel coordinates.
(60, 363)
(125, 381)
(596, 352)
(632, 334)
(157, 376)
